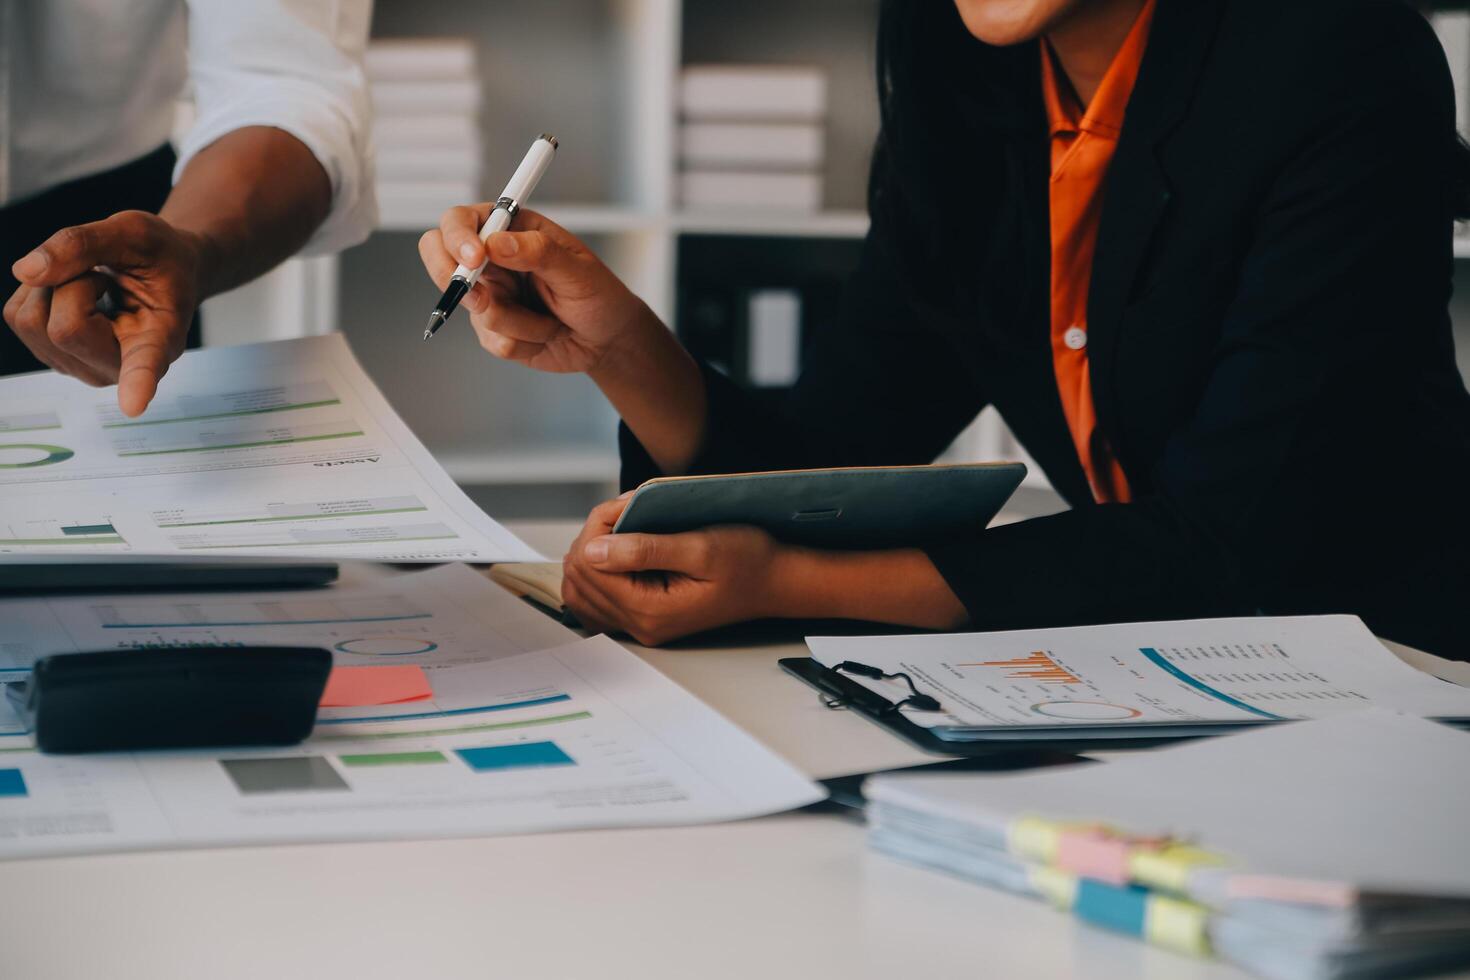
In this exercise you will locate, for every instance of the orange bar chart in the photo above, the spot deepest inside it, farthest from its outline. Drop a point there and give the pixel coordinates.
(1035, 666)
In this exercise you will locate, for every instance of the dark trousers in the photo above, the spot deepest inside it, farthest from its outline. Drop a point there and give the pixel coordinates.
(141, 185)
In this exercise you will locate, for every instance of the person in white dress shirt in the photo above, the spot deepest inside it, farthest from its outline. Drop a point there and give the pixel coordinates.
(114, 238)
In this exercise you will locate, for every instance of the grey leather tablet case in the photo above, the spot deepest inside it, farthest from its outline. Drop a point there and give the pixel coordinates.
(856, 507)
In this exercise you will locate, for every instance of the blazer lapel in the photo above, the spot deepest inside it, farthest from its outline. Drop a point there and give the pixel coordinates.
(1136, 191)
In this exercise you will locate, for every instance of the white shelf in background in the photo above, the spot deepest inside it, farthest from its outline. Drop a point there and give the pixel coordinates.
(495, 468)
(817, 224)
(1462, 244)
(581, 219)
(592, 219)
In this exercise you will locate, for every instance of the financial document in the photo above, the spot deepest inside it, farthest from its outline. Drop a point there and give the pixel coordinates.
(283, 449)
(578, 736)
(1114, 678)
(436, 618)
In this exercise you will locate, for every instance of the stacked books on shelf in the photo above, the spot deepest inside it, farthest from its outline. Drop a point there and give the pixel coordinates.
(752, 137)
(1317, 849)
(426, 96)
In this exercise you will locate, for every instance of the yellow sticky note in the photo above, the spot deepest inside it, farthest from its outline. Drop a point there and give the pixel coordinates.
(1057, 886)
(1176, 924)
(1034, 839)
(1169, 867)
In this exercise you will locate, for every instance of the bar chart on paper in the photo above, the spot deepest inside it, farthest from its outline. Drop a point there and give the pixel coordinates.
(18, 532)
(1038, 665)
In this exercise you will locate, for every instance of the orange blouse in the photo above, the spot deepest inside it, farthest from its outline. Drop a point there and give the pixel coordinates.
(1082, 146)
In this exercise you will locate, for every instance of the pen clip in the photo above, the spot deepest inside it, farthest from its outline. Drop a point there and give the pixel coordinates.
(916, 700)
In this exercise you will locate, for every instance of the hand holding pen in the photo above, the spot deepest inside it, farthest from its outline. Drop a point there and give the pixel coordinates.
(536, 294)
(516, 192)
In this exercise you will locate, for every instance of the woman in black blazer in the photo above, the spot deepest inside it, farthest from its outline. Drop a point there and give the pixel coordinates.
(1271, 360)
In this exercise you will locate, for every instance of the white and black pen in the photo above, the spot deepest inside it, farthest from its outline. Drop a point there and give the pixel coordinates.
(522, 182)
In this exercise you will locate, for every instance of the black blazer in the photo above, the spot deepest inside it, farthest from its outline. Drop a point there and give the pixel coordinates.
(1271, 355)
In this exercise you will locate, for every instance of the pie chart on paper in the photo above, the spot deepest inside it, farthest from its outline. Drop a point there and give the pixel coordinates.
(1086, 710)
(387, 646)
(22, 455)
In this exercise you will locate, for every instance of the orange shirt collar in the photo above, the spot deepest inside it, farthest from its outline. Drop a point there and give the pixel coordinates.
(1104, 116)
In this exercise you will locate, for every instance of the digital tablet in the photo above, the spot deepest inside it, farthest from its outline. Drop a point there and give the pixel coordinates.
(851, 507)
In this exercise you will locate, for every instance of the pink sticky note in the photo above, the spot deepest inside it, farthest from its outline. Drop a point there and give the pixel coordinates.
(355, 687)
(1094, 854)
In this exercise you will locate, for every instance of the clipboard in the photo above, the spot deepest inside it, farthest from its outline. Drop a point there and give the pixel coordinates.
(840, 691)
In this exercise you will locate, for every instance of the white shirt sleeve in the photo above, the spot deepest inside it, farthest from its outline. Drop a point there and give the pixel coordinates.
(295, 65)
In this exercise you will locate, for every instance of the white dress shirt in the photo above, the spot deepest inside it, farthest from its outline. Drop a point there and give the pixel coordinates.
(88, 85)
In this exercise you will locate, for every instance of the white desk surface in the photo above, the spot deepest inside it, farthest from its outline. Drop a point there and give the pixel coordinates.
(796, 895)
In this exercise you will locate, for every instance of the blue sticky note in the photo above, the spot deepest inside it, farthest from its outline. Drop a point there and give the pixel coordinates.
(1120, 907)
(518, 756)
(12, 783)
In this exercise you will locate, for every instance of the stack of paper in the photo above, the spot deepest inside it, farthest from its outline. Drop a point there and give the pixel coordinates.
(1330, 848)
(426, 98)
(752, 137)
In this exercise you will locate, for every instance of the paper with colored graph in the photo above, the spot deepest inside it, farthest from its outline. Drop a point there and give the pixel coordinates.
(431, 619)
(584, 735)
(282, 449)
(1191, 676)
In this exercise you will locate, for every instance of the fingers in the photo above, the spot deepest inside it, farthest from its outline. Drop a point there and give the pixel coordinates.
(512, 332)
(28, 312)
(688, 553)
(441, 265)
(599, 522)
(77, 328)
(146, 355)
(460, 228)
(117, 241)
(617, 604)
(592, 607)
(504, 316)
(605, 515)
(565, 265)
(508, 348)
(595, 609)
